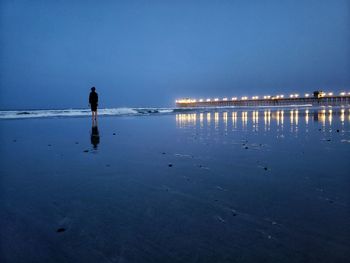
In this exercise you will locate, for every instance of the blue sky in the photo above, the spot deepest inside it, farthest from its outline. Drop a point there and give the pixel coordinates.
(148, 53)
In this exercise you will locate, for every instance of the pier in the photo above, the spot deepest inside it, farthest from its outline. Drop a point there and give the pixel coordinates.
(318, 99)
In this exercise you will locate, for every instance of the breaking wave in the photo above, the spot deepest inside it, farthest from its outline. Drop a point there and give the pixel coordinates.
(25, 114)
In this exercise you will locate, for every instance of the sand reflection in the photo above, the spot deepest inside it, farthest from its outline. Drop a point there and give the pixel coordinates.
(296, 119)
(94, 135)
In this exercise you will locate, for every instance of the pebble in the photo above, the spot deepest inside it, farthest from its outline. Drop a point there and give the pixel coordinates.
(246, 147)
(86, 151)
(170, 165)
(234, 212)
(113, 133)
(60, 230)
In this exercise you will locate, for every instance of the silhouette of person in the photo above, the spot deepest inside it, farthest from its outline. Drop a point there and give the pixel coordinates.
(95, 136)
(93, 101)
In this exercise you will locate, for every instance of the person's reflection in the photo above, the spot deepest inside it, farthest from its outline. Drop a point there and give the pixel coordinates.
(95, 136)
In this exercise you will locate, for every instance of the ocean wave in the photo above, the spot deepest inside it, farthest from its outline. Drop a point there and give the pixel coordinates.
(25, 114)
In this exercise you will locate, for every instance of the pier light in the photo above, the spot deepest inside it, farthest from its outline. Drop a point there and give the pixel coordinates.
(200, 100)
(224, 99)
(330, 94)
(244, 98)
(267, 97)
(291, 96)
(216, 99)
(296, 95)
(278, 96)
(234, 98)
(255, 97)
(208, 100)
(282, 96)
(348, 93)
(342, 93)
(307, 95)
(193, 101)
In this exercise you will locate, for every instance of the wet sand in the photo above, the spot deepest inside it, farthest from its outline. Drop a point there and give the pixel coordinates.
(217, 186)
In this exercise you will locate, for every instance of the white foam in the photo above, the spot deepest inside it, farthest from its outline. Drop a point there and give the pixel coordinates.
(26, 114)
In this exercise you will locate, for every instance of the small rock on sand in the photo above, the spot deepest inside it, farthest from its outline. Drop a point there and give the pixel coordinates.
(60, 230)
(170, 165)
(86, 151)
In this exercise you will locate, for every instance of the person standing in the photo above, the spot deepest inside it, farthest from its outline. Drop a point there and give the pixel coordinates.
(93, 101)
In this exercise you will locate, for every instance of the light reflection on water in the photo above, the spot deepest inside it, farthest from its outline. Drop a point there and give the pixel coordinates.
(264, 120)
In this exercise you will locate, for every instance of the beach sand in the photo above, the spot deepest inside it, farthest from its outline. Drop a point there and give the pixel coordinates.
(217, 186)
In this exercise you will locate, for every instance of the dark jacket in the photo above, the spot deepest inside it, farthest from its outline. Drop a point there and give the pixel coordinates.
(93, 98)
